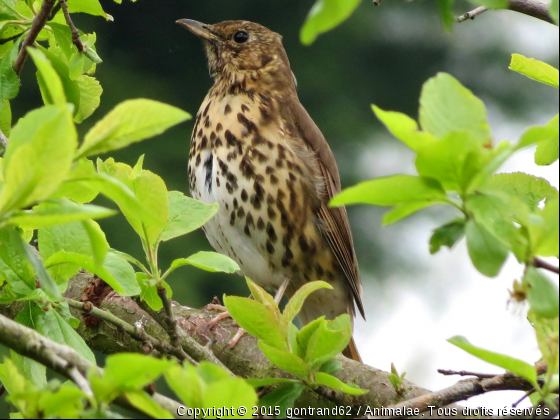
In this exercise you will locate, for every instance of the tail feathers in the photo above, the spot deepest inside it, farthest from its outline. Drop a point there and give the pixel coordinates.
(351, 351)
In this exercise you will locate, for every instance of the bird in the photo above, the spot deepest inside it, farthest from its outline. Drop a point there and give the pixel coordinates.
(257, 153)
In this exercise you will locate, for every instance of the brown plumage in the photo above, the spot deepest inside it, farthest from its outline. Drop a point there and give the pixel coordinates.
(256, 151)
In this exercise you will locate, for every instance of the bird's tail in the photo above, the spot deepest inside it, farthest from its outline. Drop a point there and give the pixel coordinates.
(352, 351)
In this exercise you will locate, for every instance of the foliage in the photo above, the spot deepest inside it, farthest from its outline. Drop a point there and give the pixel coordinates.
(498, 214)
(306, 353)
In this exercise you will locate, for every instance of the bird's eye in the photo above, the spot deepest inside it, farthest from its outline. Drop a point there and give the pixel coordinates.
(240, 37)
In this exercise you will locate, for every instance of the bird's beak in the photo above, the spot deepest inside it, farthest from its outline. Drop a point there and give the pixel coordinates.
(199, 29)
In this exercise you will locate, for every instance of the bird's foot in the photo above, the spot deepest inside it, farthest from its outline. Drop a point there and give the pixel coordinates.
(214, 321)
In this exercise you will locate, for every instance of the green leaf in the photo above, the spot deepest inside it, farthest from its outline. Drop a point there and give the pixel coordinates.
(261, 296)
(38, 157)
(516, 366)
(256, 319)
(115, 271)
(330, 381)
(393, 190)
(185, 215)
(446, 107)
(331, 367)
(15, 269)
(530, 189)
(447, 235)
(90, 96)
(49, 79)
(207, 261)
(5, 119)
(91, 7)
(149, 292)
(150, 190)
(177, 376)
(329, 339)
(35, 372)
(548, 148)
(230, 392)
(534, 69)
(542, 294)
(487, 252)
(324, 16)
(9, 80)
(78, 186)
(305, 334)
(544, 230)
(98, 241)
(46, 281)
(446, 14)
(11, 378)
(143, 402)
(58, 212)
(296, 301)
(402, 211)
(403, 128)
(130, 122)
(63, 333)
(284, 397)
(285, 360)
(537, 134)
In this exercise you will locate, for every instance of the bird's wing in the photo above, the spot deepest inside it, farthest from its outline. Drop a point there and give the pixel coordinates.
(335, 220)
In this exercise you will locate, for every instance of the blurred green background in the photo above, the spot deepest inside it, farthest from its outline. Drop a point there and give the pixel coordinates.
(381, 55)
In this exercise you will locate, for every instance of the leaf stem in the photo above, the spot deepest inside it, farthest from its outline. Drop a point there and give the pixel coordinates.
(538, 263)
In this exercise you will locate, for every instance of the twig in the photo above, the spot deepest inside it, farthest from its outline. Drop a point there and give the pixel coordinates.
(55, 10)
(80, 380)
(520, 400)
(538, 263)
(465, 373)
(186, 342)
(472, 14)
(534, 8)
(137, 333)
(466, 389)
(38, 24)
(59, 357)
(11, 38)
(376, 2)
(75, 34)
(170, 319)
(2, 390)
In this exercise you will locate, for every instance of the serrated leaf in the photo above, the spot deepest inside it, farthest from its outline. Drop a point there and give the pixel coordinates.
(230, 392)
(38, 157)
(404, 128)
(295, 303)
(519, 367)
(185, 215)
(324, 16)
(90, 96)
(447, 235)
(534, 69)
(402, 211)
(256, 319)
(329, 339)
(129, 122)
(391, 191)
(9, 80)
(544, 229)
(5, 119)
(446, 107)
(330, 381)
(15, 269)
(487, 252)
(261, 296)
(91, 7)
(285, 360)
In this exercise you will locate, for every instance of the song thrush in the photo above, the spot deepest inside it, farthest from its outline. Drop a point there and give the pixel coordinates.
(256, 151)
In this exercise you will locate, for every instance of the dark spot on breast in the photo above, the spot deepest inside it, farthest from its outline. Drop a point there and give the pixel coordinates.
(271, 213)
(235, 203)
(208, 166)
(244, 108)
(249, 219)
(273, 179)
(260, 224)
(207, 122)
(269, 247)
(232, 218)
(271, 232)
(227, 109)
(319, 270)
(279, 163)
(255, 201)
(247, 231)
(265, 59)
(270, 199)
(205, 113)
(303, 243)
(269, 170)
(219, 128)
(244, 195)
(241, 212)
(245, 122)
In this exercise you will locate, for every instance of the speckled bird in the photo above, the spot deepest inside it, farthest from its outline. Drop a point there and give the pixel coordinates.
(257, 153)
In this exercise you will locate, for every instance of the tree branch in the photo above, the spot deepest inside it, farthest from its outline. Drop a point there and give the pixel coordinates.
(468, 388)
(534, 8)
(465, 373)
(38, 24)
(75, 34)
(3, 143)
(60, 358)
(538, 263)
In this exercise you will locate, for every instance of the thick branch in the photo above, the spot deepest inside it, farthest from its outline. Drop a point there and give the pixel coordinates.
(59, 357)
(468, 388)
(75, 34)
(38, 24)
(534, 8)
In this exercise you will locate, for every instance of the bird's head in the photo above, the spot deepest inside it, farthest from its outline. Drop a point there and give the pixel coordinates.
(242, 47)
